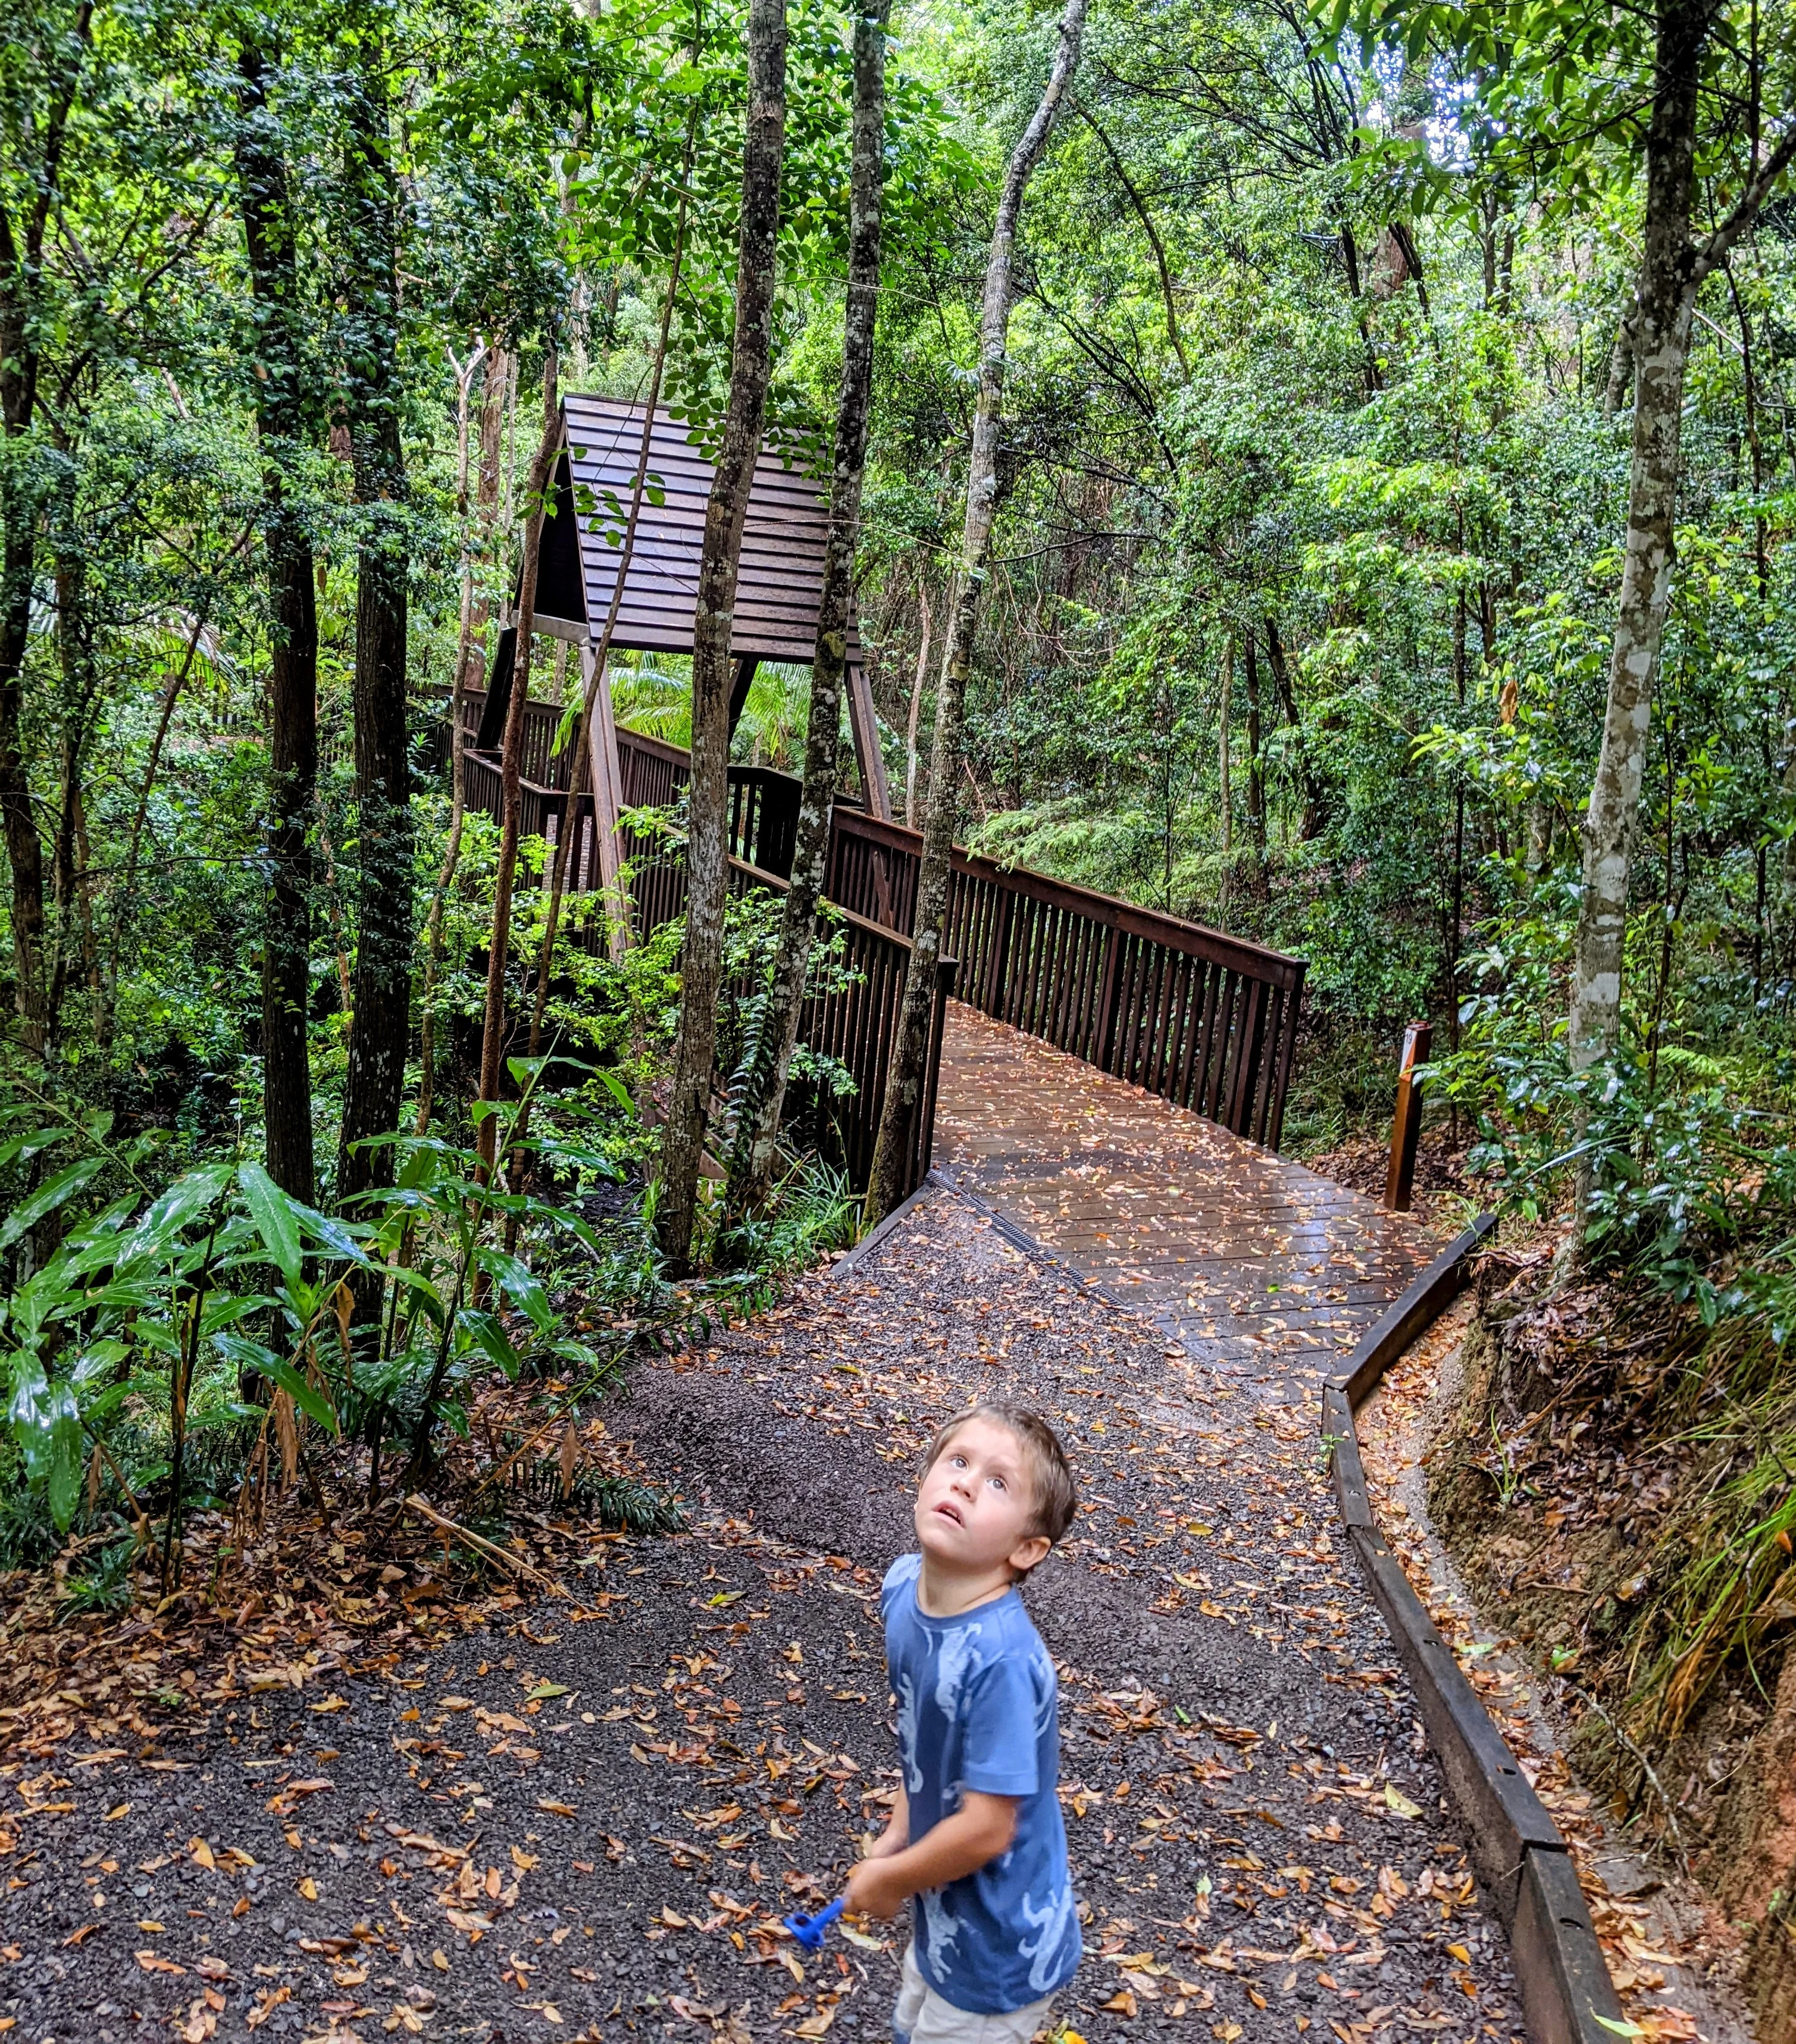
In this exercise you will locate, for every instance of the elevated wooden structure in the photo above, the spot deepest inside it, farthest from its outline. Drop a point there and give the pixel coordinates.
(779, 581)
(1203, 1020)
(1199, 1017)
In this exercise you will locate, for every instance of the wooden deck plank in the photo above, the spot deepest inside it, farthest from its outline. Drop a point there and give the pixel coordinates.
(1264, 1269)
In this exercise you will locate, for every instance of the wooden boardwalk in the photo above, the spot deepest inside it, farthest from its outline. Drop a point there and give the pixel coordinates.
(1259, 1269)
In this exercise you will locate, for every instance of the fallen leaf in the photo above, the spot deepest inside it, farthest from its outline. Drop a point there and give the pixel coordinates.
(151, 1964)
(308, 1888)
(1122, 2001)
(1397, 1801)
(556, 1809)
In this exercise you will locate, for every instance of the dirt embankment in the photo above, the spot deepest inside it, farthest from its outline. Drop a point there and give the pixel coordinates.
(1611, 1484)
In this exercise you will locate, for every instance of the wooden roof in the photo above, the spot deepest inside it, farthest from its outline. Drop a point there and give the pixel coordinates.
(779, 583)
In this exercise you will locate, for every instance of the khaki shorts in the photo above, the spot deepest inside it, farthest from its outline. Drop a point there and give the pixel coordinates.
(922, 2017)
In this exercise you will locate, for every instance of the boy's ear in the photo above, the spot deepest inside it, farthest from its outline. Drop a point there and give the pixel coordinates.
(1027, 1553)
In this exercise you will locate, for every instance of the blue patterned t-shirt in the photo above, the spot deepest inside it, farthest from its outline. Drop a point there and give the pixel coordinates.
(978, 1709)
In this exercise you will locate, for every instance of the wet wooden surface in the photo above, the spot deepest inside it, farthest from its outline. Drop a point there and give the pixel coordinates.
(1253, 1265)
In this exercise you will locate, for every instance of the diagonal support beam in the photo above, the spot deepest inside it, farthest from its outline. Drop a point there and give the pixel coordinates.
(865, 727)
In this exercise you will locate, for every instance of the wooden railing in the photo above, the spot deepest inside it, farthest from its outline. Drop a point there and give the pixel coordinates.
(1204, 1019)
(853, 1024)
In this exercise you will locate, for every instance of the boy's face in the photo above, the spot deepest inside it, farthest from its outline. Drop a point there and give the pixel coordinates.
(973, 1510)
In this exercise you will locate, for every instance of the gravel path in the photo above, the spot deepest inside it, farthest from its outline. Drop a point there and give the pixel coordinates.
(587, 1823)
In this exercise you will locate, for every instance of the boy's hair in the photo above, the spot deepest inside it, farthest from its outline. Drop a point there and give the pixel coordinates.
(1051, 1490)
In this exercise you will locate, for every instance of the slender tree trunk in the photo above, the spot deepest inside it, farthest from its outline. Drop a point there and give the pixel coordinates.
(1665, 303)
(905, 1075)
(1619, 391)
(577, 778)
(458, 755)
(283, 413)
(1672, 269)
(707, 866)
(913, 715)
(1256, 768)
(1146, 218)
(23, 485)
(762, 1094)
(1225, 722)
(380, 1030)
(511, 792)
(1312, 823)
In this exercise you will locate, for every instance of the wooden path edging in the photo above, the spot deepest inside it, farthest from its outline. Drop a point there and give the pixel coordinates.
(1521, 1856)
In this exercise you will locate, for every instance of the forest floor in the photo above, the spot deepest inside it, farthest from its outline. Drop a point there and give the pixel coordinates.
(586, 1815)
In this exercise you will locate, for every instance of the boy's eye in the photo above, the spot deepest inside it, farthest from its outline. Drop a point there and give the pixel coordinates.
(997, 1483)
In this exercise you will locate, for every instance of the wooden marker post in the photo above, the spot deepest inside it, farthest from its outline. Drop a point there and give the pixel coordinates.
(1406, 1125)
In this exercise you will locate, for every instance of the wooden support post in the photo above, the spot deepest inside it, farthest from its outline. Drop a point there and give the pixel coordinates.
(607, 779)
(865, 728)
(746, 664)
(1406, 1126)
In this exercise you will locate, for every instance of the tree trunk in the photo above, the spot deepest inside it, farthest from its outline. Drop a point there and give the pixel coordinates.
(1312, 824)
(707, 866)
(381, 1027)
(1256, 769)
(1665, 303)
(282, 415)
(511, 791)
(616, 909)
(458, 755)
(762, 1093)
(1225, 721)
(904, 1077)
(913, 715)
(23, 484)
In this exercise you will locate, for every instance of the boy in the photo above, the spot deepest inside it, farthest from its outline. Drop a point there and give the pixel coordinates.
(976, 1834)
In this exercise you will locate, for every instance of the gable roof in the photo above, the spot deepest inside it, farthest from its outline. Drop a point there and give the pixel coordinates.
(779, 583)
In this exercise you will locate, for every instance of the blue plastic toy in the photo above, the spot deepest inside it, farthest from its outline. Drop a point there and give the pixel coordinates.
(808, 1930)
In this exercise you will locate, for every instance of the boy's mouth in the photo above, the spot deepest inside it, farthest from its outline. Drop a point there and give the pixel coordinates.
(951, 1511)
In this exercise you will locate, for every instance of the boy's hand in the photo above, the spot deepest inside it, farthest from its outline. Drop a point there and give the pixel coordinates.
(874, 1890)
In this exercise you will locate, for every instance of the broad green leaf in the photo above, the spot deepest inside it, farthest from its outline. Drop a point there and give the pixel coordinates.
(159, 1230)
(66, 1183)
(20, 1147)
(251, 1355)
(276, 1221)
(482, 1331)
(520, 1285)
(46, 1426)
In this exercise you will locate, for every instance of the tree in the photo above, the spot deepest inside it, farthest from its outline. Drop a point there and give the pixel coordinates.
(904, 1078)
(1672, 271)
(511, 800)
(286, 415)
(42, 96)
(1561, 95)
(707, 864)
(381, 1027)
(761, 1095)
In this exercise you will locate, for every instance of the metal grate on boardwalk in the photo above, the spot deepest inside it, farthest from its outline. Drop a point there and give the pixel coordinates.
(1259, 1269)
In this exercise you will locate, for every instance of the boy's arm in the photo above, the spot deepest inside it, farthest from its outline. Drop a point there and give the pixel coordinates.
(977, 1833)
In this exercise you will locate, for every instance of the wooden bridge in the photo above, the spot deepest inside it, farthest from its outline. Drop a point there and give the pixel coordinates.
(1200, 1019)
(1112, 1079)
